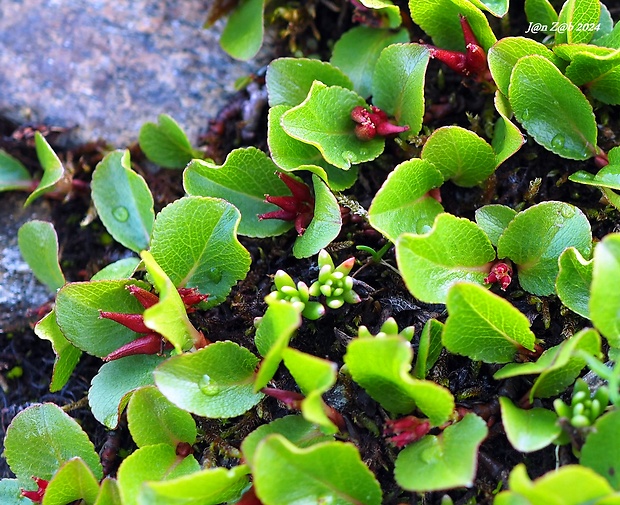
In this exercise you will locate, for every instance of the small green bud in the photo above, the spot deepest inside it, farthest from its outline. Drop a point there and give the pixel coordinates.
(335, 303)
(580, 421)
(282, 279)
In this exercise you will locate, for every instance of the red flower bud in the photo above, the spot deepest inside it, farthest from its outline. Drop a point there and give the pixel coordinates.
(152, 343)
(146, 298)
(501, 273)
(135, 322)
(406, 430)
(36, 496)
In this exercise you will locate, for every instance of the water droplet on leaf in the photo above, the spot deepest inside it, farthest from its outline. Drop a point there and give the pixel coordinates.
(567, 211)
(120, 213)
(348, 156)
(558, 141)
(208, 387)
(428, 455)
(526, 115)
(214, 274)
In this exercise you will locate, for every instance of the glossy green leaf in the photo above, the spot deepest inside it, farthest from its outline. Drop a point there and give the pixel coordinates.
(385, 9)
(244, 179)
(331, 472)
(541, 13)
(529, 430)
(601, 451)
(194, 241)
(507, 138)
(67, 355)
(325, 225)
(357, 51)
(440, 20)
(403, 204)
(494, 219)
(243, 35)
(536, 237)
(484, 326)
(108, 492)
(168, 316)
(210, 486)
(13, 173)
(323, 120)
(151, 463)
(381, 366)
(53, 171)
(496, 7)
(605, 28)
(460, 155)
(41, 438)
(166, 144)
(442, 462)
(398, 84)
(580, 19)
(116, 381)
(121, 269)
(38, 245)
(540, 97)
(455, 249)
(73, 481)
(289, 80)
(77, 313)
(429, 348)
(599, 73)
(574, 280)
(604, 297)
(294, 428)
(216, 381)
(610, 39)
(152, 419)
(606, 177)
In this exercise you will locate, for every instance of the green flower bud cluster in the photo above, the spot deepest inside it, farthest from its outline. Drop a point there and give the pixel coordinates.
(584, 408)
(334, 282)
(296, 294)
(388, 328)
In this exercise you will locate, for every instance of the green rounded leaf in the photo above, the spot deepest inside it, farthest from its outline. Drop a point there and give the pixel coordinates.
(121, 269)
(552, 109)
(387, 11)
(108, 492)
(195, 243)
(243, 35)
(403, 204)
(38, 245)
(536, 238)
(216, 381)
(429, 348)
(154, 420)
(574, 280)
(331, 472)
(494, 219)
(601, 452)
(604, 297)
(606, 177)
(484, 326)
(580, 19)
(166, 144)
(542, 12)
(11, 492)
(13, 173)
(456, 249)
(507, 138)
(53, 171)
(442, 462)
(529, 430)
(496, 7)
(74, 480)
(41, 438)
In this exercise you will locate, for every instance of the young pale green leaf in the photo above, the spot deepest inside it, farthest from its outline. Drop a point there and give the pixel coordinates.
(529, 430)
(387, 9)
(325, 225)
(574, 280)
(151, 463)
(606, 26)
(73, 481)
(455, 249)
(243, 34)
(11, 492)
(13, 173)
(504, 55)
(323, 120)
(580, 19)
(330, 472)
(357, 52)
(211, 486)
(604, 297)
(121, 269)
(442, 462)
(398, 84)
(216, 381)
(460, 155)
(109, 493)
(113, 386)
(536, 237)
(559, 366)
(294, 428)
(540, 97)
(53, 171)
(77, 313)
(168, 316)
(429, 348)
(289, 80)
(440, 20)
(38, 245)
(67, 355)
(381, 366)
(541, 13)
(484, 326)
(601, 451)
(152, 419)
(314, 376)
(195, 243)
(244, 179)
(403, 203)
(292, 154)
(41, 438)
(507, 138)
(494, 219)
(273, 334)
(606, 177)
(123, 201)
(166, 144)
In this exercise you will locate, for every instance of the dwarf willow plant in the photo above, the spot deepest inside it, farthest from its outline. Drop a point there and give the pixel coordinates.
(322, 131)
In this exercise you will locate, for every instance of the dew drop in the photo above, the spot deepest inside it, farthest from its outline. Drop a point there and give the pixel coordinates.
(120, 213)
(214, 274)
(567, 211)
(422, 227)
(558, 141)
(207, 387)
(348, 156)
(428, 455)
(525, 115)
